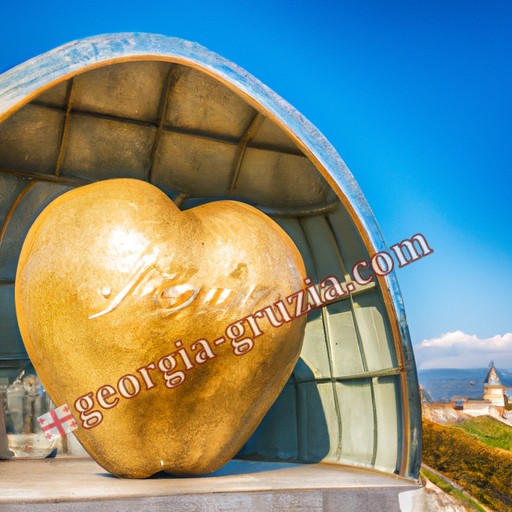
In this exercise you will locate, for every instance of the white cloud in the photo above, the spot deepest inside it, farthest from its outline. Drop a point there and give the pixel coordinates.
(460, 350)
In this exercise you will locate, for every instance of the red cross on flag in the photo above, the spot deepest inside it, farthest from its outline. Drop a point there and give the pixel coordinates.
(58, 422)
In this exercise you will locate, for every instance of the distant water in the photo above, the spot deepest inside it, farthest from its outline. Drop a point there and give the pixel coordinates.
(444, 384)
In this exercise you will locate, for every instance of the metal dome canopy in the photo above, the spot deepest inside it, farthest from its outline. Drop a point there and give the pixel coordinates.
(200, 128)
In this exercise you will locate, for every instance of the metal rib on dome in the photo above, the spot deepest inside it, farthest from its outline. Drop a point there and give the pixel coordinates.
(200, 128)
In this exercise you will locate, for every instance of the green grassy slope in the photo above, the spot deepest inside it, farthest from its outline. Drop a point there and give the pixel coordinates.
(489, 430)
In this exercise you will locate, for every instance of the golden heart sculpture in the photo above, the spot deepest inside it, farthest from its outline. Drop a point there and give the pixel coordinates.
(165, 331)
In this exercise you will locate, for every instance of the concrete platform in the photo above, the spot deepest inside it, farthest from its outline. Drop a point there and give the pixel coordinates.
(78, 484)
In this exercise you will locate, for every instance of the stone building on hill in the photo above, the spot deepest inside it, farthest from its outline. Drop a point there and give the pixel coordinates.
(494, 391)
(494, 396)
(492, 403)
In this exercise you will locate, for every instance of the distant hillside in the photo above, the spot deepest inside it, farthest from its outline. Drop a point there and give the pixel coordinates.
(443, 384)
(484, 471)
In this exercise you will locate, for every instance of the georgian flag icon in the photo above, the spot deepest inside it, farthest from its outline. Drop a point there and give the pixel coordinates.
(58, 422)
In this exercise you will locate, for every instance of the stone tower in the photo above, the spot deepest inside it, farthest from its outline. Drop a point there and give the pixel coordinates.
(494, 391)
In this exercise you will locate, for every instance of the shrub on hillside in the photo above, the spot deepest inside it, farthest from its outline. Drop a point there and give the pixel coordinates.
(484, 471)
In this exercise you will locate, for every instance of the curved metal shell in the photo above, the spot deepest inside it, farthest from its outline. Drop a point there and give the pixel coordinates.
(200, 128)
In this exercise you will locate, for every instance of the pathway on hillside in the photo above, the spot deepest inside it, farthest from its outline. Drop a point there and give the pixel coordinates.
(455, 485)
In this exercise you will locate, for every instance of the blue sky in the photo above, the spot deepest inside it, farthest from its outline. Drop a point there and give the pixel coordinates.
(415, 96)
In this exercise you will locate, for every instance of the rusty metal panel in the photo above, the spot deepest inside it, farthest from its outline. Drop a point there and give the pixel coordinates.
(128, 90)
(276, 179)
(104, 148)
(56, 96)
(200, 167)
(30, 139)
(199, 103)
(270, 135)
